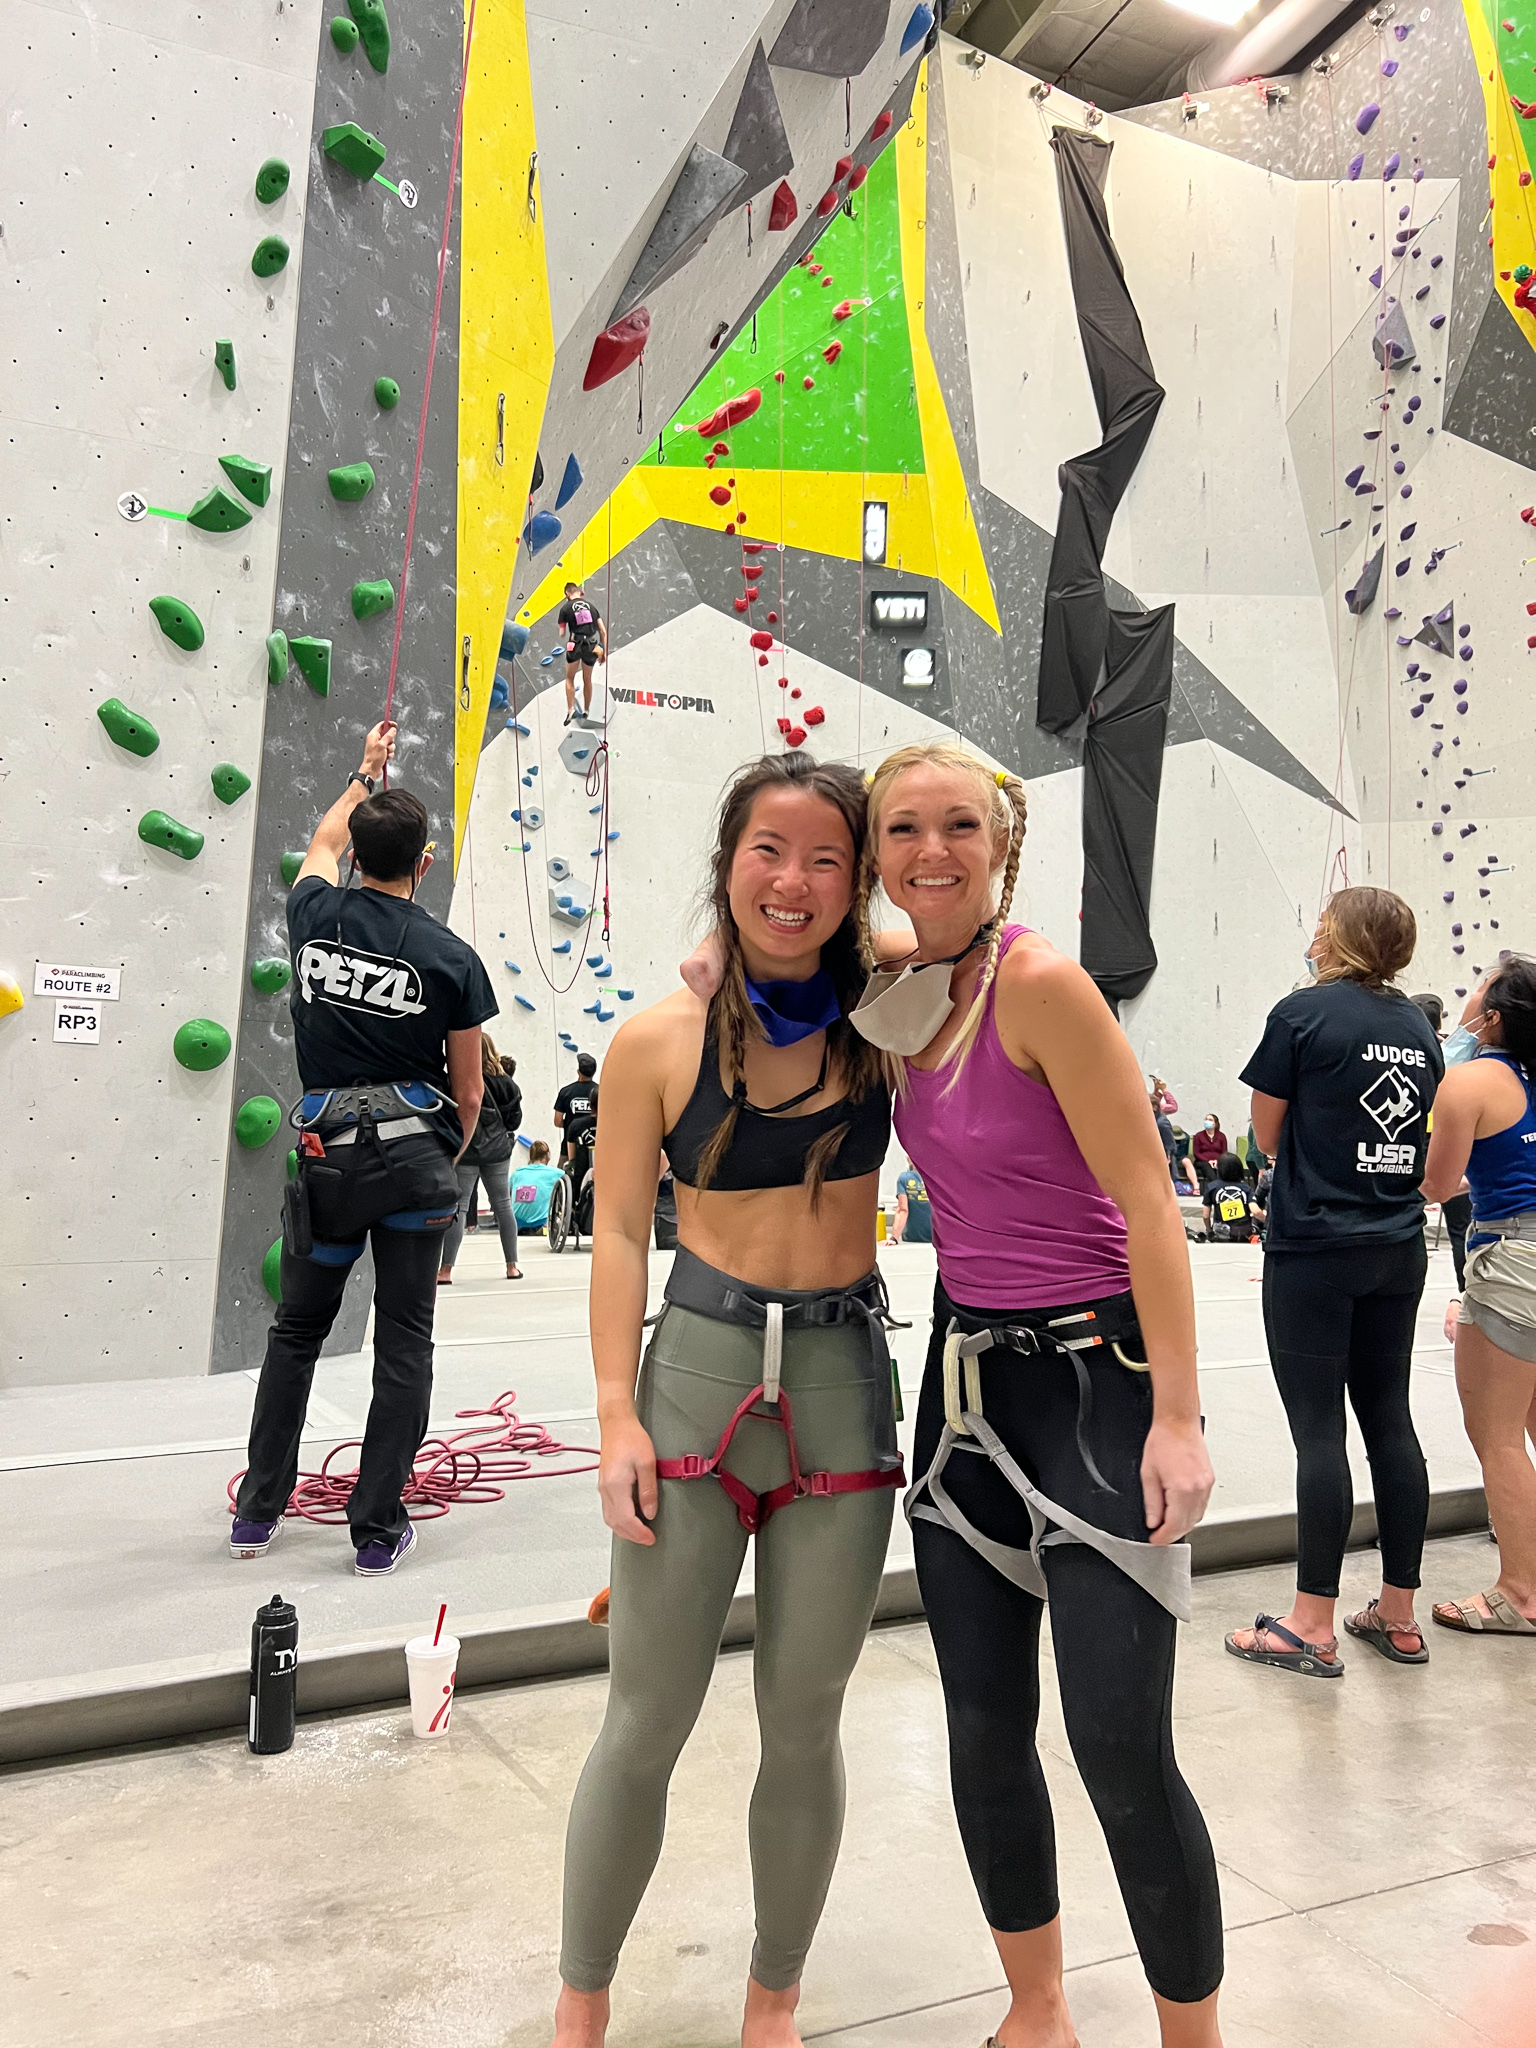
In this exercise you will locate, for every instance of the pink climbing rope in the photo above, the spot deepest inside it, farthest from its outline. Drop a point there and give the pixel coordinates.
(426, 387)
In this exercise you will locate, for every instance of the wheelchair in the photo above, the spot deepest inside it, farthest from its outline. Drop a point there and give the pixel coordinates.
(572, 1199)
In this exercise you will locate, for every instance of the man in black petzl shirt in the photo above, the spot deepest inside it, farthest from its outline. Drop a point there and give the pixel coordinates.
(576, 1107)
(387, 1006)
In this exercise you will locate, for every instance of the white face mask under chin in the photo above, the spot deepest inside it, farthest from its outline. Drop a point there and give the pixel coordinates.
(902, 1009)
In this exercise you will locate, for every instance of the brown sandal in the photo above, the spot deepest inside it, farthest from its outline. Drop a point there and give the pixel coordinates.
(1369, 1627)
(1502, 1619)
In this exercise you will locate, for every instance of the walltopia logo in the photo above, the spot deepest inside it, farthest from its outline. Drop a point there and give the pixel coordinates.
(658, 700)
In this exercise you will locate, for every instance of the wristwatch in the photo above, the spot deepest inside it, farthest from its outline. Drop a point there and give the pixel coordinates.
(357, 775)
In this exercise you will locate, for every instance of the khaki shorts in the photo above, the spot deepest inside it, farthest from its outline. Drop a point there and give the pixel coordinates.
(1500, 1295)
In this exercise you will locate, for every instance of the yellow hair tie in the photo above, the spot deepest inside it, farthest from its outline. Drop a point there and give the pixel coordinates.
(1002, 777)
(869, 778)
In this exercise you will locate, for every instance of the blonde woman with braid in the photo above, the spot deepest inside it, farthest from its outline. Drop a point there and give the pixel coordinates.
(1058, 1449)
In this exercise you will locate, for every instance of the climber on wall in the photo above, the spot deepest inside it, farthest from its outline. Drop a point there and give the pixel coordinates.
(586, 642)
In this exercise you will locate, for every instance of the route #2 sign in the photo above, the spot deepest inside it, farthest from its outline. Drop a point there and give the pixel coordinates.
(92, 984)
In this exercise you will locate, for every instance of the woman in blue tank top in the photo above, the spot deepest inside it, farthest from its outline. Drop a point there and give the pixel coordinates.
(1485, 1128)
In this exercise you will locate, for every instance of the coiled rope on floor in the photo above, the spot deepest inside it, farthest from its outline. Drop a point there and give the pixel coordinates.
(462, 1468)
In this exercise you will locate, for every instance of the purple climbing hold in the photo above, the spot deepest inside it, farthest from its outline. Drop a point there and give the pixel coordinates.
(1403, 639)
(1461, 707)
(1465, 653)
(1417, 711)
(1371, 434)
(1393, 614)
(1409, 530)
(1365, 120)
(1376, 277)
(1403, 212)
(1418, 173)
(1435, 262)
(1455, 931)
(1392, 166)
(1434, 754)
(1437, 828)
(1447, 856)
(1403, 31)
(1403, 568)
(1413, 666)
(1437, 321)
(1406, 491)
(1364, 490)
(1355, 475)
(1460, 686)
(1423, 290)
(1444, 616)
(1463, 632)
(1398, 468)
(1415, 402)
(1389, 68)
(1356, 166)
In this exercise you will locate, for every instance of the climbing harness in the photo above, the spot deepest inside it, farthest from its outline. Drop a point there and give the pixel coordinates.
(1163, 1570)
(707, 1292)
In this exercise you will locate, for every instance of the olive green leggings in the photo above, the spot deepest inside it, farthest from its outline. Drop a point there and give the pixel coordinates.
(817, 1571)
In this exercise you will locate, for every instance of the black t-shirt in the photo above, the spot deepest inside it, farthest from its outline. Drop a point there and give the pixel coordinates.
(579, 617)
(1359, 1068)
(577, 1103)
(378, 1003)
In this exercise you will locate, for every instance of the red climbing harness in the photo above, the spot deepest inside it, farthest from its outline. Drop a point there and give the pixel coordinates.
(754, 1509)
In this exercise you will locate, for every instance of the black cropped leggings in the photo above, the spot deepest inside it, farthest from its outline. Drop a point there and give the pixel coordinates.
(1341, 1321)
(1114, 1650)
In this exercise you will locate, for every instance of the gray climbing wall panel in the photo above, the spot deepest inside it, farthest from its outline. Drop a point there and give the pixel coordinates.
(365, 310)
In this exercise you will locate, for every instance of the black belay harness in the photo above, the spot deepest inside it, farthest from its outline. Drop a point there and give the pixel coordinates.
(693, 1285)
(1163, 1570)
(370, 1114)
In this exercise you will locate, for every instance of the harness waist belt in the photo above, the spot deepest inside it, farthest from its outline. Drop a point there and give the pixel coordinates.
(692, 1284)
(1521, 1226)
(396, 1127)
(324, 1110)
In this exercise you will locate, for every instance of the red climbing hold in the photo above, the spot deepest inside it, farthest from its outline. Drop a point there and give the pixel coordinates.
(841, 169)
(1525, 177)
(783, 682)
(730, 528)
(828, 203)
(794, 693)
(617, 347)
(842, 312)
(762, 661)
(719, 495)
(741, 519)
(740, 603)
(1532, 641)
(860, 173)
(752, 547)
(778, 376)
(1529, 514)
(1531, 608)
(808, 383)
(815, 716)
(783, 724)
(832, 351)
(709, 462)
(751, 593)
(720, 449)
(796, 736)
(884, 123)
(773, 618)
(762, 640)
(732, 413)
(731, 481)
(752, 570)
(784, 211)
(815, 269)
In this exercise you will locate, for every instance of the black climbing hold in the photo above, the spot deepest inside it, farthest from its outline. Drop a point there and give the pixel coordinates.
(201, 1045)
(157, 828)
(178, 622)
(128, 729)
(354, 149)
(229, 782)
(224, 362)
(272, 180)
(268, 976)
(344, 35)
(271, 256)
(289, 866)
(386, 393)
(373, 27)
(369, 599)
(217, 512)
(277, 657)
(351, 481)
(313, 659)
(252, 480)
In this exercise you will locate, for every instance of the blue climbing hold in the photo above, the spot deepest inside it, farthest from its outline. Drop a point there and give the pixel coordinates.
(514, 638)
(596, 811)
(511, 966)
(564, 902)
(527, 846)
(533, 771)
(570, 483)
(546, 659)
(916, 29)
(516, 725)
(611, 837)
(602, 973)
(563, 947)
(500, 695)
(606, 1016)
(522, 1002)
(625, 995)
(580, 753)
(541, 529)
(517, 817)
(594, 959)
(592, 1009)
(528, 780)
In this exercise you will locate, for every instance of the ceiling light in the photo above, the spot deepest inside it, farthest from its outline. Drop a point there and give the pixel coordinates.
(1224, 12)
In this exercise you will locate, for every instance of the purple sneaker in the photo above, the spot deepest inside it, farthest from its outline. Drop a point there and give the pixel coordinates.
(253, 1539)
(379, 1557)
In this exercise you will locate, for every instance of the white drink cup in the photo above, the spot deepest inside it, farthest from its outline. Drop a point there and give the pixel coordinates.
(432, 1670)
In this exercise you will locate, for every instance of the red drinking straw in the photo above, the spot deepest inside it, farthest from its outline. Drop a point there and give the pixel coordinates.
(437, 1632)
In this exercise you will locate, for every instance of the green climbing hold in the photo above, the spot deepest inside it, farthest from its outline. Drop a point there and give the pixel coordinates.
(229, 782)
(269, 976)
(201, 1045)
(291, 1164)
(354, 149)
(178, 622)
(290, 865)
(369, 599)
(351, 481)
(277, 657)
(128, 729)
(272, 180)
(252, 480)
(373, 27)
(387, 392)
(344, 35)
(271, 256)
(313, 658)
(158, 828)
(272, 1270)
(217, 512)
(257, 1122)
(224, 362)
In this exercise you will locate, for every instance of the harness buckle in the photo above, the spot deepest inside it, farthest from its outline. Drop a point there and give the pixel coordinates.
(818, 1483)
(693, 1466)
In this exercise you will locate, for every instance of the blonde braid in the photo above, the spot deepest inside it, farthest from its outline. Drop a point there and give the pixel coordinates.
(1015, 804)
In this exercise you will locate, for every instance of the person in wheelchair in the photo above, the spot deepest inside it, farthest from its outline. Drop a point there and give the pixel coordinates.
(576, 1119)
(1230, 1207)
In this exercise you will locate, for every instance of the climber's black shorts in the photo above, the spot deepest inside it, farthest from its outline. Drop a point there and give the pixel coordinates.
(575, 652)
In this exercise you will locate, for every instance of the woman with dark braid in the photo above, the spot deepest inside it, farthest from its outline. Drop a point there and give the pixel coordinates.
(1058, 1451)
(765, 1401)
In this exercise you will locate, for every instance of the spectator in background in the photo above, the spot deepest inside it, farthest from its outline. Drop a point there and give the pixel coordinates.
(1211, 1147)
(488, 1158)
(1255, 1160)
(1181, 1168)
(1228, 1205)
(914, 1216)
(1163, 1101)
(531, 1187)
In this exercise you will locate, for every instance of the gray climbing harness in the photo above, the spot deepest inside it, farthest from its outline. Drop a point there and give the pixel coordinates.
(1163, 1570)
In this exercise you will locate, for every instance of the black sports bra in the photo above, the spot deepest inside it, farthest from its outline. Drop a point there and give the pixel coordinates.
(767, 1148)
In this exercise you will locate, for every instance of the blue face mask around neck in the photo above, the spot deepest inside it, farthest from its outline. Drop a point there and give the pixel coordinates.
(791, 1010)
(1461, 1044)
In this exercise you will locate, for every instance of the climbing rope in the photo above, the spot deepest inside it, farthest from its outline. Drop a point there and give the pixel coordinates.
(465, 1468)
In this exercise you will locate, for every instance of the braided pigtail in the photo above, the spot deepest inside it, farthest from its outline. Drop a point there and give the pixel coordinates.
(1010, 814)
(730, 1015)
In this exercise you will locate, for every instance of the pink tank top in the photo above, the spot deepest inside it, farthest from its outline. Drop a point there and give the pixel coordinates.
(1018, 1219)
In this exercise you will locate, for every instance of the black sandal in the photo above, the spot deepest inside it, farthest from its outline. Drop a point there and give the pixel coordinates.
(1306, 1658)
(1370, 1628)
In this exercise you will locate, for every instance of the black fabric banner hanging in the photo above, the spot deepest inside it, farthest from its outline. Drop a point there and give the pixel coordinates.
(1106, 676)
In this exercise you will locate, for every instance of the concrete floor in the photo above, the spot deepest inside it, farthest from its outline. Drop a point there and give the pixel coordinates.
(114, 1506)
(1377, 1840)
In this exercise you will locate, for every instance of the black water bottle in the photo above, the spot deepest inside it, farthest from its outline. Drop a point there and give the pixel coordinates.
(274, 1676)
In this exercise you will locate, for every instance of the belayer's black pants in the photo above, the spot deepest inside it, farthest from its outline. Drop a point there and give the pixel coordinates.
(1341, 1321)
(1113, 1646)
(407, 1246)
